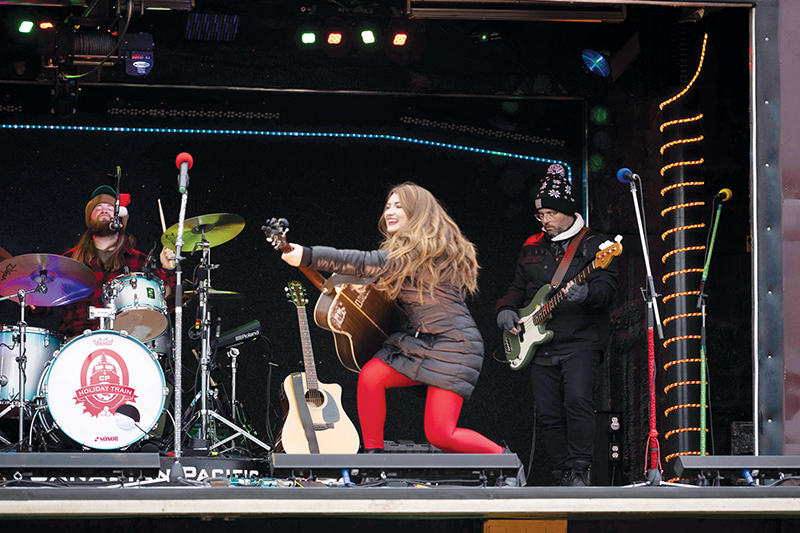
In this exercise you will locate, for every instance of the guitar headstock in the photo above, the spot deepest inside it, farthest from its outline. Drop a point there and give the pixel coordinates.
(296, 293)
(608, 251)
(276, 229)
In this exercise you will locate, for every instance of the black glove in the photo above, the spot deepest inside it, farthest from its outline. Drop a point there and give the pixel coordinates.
(577, 293)
(507, 319)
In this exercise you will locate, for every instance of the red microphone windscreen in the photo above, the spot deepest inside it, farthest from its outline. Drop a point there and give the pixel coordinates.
(183, 157)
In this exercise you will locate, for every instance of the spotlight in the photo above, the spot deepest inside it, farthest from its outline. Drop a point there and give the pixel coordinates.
(337, 37)
(369, 36)
(404, 40)
(137, 49)
(25, 26)
(596, 63)
(308, 37)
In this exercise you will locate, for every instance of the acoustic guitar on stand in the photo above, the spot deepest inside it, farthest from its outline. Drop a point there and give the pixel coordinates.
(314, 421)
(531, 333)
(351, 308)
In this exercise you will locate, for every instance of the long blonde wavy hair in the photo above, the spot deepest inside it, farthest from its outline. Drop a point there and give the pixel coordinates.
(429, 250)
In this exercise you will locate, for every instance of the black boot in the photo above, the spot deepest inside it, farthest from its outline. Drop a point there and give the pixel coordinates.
(581, 475)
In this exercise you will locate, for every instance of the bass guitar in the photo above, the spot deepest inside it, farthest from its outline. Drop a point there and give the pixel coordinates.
(314, 420)
(351, 308)
(531, 333)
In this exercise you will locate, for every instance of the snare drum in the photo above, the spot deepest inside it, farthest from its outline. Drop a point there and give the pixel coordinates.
(40, 347)
(105, 390)
(140, 305)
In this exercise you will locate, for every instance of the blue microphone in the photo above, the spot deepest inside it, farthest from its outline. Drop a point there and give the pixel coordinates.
(625, 175)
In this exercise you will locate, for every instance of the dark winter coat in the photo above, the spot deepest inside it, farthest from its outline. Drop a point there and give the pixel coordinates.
(440, 344)
(573, 325)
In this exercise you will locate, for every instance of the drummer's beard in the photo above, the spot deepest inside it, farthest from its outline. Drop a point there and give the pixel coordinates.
(101, 228)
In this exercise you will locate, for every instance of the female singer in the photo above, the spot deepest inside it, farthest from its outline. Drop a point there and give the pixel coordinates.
(427, 266)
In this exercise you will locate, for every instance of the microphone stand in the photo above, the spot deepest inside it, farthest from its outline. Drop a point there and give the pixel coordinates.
(653, 319)
(701, 304)
(177, 471)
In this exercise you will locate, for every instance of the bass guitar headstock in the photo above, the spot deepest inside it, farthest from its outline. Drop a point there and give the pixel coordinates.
(276, 229)
(608, 251)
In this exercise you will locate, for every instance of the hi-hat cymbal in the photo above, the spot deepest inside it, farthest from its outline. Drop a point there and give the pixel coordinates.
(216, 229)
(66, 280)
(216, 296)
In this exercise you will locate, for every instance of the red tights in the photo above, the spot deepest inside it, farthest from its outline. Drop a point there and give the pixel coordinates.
(442, 408)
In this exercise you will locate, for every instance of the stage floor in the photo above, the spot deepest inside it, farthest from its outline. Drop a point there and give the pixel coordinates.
(389, 486)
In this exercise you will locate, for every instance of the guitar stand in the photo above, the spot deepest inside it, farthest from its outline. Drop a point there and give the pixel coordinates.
(205, 413)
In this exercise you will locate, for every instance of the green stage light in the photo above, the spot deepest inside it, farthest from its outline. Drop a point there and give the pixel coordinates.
(25, 26)
(368, 37)
(308, 37)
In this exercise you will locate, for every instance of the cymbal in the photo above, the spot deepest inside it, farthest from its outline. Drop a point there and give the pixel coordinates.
(66, 280)
(217, 229)
(216, 296)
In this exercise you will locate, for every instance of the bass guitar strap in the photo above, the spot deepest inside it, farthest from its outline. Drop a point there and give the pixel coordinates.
(558, 277)
(302, 411)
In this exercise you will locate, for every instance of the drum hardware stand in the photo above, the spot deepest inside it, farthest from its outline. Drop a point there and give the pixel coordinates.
(205, 354)
(233, 353)
(41, 287)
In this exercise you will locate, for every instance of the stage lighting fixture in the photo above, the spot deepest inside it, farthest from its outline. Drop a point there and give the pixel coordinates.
(399, 39)
(368, 37)
(25, 26)
(137, 49)
(596, 63)
(46, 26)
(337, 37)
(308, 37)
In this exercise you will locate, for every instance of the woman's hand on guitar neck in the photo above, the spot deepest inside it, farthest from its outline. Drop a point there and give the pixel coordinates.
(295, 256)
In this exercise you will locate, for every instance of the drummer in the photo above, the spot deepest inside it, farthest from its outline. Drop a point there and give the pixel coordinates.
(109, 254)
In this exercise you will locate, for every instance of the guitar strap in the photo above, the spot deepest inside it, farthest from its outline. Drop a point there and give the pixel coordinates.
(302, 410)
(558, 277)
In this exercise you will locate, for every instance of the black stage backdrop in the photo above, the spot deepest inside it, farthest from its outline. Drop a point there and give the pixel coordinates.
(332, 189)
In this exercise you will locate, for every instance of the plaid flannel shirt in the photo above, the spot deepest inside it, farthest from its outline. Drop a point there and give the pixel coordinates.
(75, 316)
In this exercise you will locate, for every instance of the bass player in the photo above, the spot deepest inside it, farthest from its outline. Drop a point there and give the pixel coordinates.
(563, 370)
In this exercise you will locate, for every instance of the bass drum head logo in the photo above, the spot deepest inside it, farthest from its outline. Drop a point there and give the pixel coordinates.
(104, 383)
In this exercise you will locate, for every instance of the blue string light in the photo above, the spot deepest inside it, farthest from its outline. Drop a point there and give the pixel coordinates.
(396, 138)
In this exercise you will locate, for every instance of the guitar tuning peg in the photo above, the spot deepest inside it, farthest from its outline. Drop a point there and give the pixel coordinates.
(618, 238)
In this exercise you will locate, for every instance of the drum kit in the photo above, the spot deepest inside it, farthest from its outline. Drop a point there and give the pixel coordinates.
(104, 389)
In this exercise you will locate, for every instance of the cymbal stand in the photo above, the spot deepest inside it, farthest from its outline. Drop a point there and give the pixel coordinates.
(205, 356)
(22, 359)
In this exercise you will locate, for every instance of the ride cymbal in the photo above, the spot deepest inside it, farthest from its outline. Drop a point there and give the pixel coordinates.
(216, 229)
(66, 280)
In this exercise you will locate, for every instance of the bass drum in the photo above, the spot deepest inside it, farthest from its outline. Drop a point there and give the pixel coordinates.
(105, 390)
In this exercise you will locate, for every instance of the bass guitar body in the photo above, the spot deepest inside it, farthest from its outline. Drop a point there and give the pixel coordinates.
(521, 348)
(334, 431)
